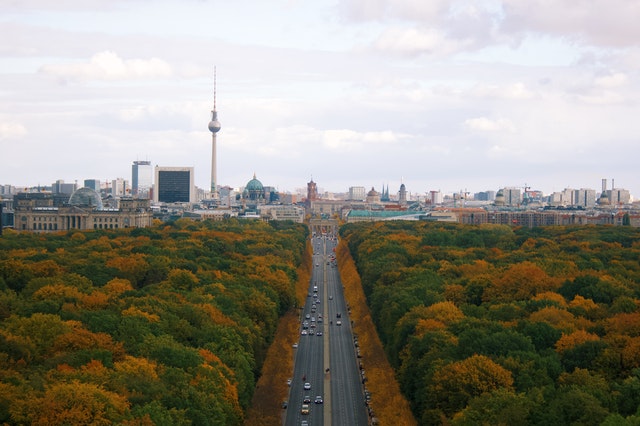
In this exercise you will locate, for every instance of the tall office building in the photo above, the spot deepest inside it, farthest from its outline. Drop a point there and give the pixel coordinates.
(59, 187)
(120, 187)
(93, 184)
(357, 193)
(214, 128)
(141, 179)
(174, 185)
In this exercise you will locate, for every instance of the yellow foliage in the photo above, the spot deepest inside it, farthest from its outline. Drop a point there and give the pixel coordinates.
(117, 286)
(551, 296)
(134, 311)
(57, 292)
(425, 325)
(470, 377)
(94, 301)
(568, 341)
(554, 316)
(216, 315)
(446, 312)
(137, 367)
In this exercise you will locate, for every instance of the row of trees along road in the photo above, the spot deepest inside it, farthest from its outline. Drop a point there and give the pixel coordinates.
(163, 325)
(499, 325)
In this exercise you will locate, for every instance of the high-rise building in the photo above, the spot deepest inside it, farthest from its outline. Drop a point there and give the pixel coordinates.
(59, 187)
(402, 194)
(93, 184)
(141, 179)
(357, 193)
(120, 187)
(584, 197)
(174, 185)
(214, 128)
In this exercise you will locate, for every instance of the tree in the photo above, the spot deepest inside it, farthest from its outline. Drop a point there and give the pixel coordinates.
(456, 383)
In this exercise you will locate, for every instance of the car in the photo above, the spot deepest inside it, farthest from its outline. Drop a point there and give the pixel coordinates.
(339, 315)
(304, 423)
(318, 399)
(289, 382)
(306, 399)
(295, 345)
(304, 332)
(285, 404)
(305, 409)
(330, 297)
(307, 316)
(319, 333)
(307, 386)
(338, 322)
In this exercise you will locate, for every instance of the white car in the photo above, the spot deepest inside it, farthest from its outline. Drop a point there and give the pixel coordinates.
(307, 386)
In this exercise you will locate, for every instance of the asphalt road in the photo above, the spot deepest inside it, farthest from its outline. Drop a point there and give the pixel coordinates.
(327, 362)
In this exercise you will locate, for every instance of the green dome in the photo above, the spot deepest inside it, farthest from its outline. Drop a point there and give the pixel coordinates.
(254, 185)
(86, 197)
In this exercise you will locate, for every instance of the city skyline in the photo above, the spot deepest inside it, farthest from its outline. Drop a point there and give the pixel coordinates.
(450, 96)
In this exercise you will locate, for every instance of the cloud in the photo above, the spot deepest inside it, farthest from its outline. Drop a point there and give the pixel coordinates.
(414, 41)
(12, 131)
(488, 125)
(345, 140)
(596, 22)
(515, 91)
(108, 65)
(610, 81)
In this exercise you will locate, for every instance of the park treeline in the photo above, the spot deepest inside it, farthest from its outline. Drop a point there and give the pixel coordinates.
(494, 325)
(162, 325)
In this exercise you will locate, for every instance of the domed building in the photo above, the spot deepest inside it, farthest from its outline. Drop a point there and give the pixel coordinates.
(373, 196)
(86, 197)
(254, 191)
(84, 211)
(499, 200)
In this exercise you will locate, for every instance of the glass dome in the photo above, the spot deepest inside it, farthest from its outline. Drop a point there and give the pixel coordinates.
(86, 197)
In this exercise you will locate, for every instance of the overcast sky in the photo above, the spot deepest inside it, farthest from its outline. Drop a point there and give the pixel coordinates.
(440, 94)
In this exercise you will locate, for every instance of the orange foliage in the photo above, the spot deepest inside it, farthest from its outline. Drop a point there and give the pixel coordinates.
(581, 302)
(74, 403)
(568, 341)
(117, 286)
(216, 315)
(454, 293)
(631, 353)
(624, 323)
(389, 404)
(94, 301)
(425, 325)
(520, 281)
(80, 338)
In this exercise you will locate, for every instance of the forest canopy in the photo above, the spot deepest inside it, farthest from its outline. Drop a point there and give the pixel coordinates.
(162, 325)
(497, 325)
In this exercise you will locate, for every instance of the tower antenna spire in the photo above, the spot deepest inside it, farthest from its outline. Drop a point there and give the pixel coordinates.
(214, 127)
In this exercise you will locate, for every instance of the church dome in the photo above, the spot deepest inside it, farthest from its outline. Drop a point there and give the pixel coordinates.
(254, 190)
(86, 197)
(254, 185)
(372, 193)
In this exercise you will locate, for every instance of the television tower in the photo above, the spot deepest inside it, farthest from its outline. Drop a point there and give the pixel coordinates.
(214, 127)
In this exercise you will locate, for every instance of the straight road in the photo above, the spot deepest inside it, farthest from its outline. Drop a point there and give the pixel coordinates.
(327, 362)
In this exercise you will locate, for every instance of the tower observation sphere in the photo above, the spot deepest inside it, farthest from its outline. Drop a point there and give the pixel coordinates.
(214, 124)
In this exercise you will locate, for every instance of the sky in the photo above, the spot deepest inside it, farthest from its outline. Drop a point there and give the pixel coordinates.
(442, 95)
